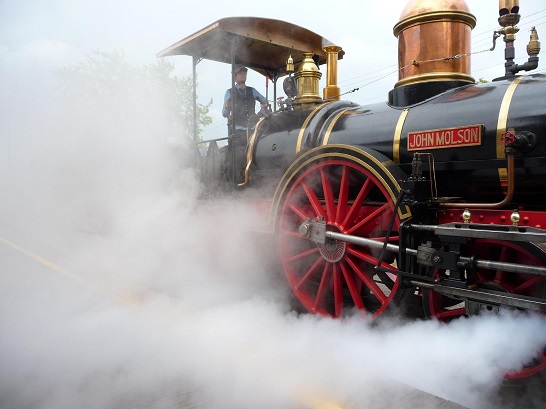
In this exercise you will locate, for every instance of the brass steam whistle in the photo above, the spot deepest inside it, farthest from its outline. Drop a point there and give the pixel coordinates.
(508, 18)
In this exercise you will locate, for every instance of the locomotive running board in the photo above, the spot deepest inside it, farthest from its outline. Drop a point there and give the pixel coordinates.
(489, 231)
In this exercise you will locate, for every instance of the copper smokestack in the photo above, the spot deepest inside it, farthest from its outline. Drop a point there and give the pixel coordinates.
(429, 33)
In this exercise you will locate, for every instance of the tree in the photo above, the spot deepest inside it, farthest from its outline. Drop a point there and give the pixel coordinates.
(107, 81)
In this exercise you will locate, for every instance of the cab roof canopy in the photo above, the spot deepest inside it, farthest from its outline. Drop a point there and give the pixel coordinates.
(260, 44)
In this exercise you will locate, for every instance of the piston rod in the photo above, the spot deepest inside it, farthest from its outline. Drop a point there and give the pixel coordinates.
(316, 231)
(484, 264)
(362, 241)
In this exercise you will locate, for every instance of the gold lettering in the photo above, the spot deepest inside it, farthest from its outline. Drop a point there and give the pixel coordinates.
(475, 135)
(445, 138)
(461, 135)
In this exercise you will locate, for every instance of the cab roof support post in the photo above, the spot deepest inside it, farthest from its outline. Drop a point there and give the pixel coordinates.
(194, 74)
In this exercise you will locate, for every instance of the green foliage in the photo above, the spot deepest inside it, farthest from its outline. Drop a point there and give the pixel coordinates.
(482, 81)
(121, 91)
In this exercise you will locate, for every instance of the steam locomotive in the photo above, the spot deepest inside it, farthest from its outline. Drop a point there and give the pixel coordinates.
(437, 195)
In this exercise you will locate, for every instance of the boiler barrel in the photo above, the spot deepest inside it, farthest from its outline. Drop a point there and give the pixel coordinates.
(462, 128)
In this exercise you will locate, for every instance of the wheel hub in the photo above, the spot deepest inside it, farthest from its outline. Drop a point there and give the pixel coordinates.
(332, 250)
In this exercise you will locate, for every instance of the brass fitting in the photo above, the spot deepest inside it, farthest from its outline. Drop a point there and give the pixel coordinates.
(466, 215)
(508, 7)
(509, 33)
(290, 65)
(308, 77)
(533, 48)
(515, 217)
(331, 92)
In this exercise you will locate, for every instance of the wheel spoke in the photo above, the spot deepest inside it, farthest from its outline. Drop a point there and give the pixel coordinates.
(309, 272)
(343, 194)
(368, 282)
(324, 285)
(377, 213)
(391, 238)
(527, 285)
(353, 289)
(363, 256)
(313, 199)
(301, 255)
(328, 196)
(357, 204)
(299, 211)
(294, 234)
(504, 254)
(504, 257)
(338, 291)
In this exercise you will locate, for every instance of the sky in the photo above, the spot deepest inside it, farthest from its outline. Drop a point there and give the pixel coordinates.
(120, 288)
(37, 35)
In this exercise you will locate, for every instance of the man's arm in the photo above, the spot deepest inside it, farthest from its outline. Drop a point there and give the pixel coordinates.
(227, 104)
(259, 97)
(262, 100)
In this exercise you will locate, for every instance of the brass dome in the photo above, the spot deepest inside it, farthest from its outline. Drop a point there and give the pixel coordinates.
(307, 79)
(415, 7)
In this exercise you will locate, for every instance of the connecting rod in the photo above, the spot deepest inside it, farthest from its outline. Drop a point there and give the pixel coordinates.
(316, 231)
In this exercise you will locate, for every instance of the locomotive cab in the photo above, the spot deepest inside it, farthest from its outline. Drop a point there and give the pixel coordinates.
(261, 45)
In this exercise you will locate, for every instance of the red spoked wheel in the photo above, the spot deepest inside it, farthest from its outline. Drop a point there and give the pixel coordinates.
(446, 309)
(352, 197)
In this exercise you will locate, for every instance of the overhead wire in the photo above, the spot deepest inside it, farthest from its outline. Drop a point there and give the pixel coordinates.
(354, 84)
(372, 77)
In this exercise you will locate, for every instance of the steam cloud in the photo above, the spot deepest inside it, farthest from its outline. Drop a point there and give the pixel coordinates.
(156, 299)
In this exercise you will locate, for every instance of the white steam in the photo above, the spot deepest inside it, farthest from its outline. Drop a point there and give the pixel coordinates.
(156, 299)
